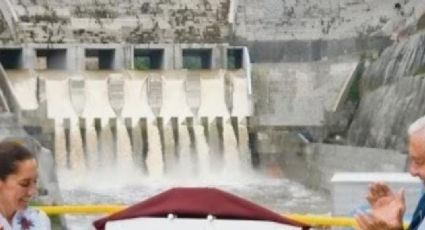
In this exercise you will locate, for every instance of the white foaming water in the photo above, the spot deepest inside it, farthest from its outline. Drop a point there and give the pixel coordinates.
(215, 147)
(130, 187)
(241, 103)
(91, 140)
(76, 155)
(59, 107)
(127, 185)
(169, 147)
(124, 153)
(24, 87)
(185, 163)
(243, 147)
(99, 148)
(136, 100)
(137, 142)
(202, 150)
(231, 154)
(174, 102)
(212, 97)
(154, 158)
(106, 154)
(60, 149)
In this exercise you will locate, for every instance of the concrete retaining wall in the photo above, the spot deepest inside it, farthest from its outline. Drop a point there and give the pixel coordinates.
(324, 160)
(298, 94)
(311, 50)
(315, 164)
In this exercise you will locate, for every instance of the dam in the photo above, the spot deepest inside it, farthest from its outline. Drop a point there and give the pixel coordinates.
(261, 98)
(103, 115)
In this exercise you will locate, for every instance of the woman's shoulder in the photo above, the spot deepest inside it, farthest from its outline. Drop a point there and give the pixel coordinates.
(31, 219)
(34, 212)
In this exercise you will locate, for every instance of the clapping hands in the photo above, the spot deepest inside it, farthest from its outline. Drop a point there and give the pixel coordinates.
(387, 209)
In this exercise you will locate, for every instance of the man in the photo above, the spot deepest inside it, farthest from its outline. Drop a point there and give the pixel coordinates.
(388, 207)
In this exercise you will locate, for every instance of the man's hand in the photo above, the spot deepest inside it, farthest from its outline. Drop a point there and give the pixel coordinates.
(377, 191)
(387, 210)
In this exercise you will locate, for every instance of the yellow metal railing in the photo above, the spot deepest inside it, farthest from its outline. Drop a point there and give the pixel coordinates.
(323, 221)
(80, 209)
(313, 220)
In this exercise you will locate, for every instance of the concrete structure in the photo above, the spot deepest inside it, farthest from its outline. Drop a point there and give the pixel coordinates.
(314, 164)
(73, 58)
(298, 94)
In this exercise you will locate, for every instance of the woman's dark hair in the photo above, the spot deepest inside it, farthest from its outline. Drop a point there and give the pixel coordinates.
(11, 153)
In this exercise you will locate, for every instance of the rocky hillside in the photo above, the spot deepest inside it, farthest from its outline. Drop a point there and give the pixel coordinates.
(393, 96)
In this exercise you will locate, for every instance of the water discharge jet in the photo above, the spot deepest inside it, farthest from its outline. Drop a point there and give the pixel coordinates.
(98, 129)
(67, 127)
(154, 159)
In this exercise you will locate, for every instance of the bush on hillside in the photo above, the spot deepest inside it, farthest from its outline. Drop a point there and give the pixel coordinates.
(421, 23)
(420, 70)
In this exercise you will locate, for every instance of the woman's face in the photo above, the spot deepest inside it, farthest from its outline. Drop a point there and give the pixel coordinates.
(18, 188)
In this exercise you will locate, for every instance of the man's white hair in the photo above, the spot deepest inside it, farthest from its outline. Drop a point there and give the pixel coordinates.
(416, 126)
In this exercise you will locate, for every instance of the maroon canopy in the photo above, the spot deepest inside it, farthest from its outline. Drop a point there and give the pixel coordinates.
(198, 203)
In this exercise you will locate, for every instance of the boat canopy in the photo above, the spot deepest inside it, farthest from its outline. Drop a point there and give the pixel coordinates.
(186, 206)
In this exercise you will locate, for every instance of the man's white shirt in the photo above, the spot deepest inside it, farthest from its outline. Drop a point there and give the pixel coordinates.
(422, 225)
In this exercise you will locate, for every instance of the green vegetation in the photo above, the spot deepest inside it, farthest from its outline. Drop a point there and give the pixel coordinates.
(421, 23)
(231, 62)
(420, 70)
(354, 91)
(192, 62)
(142, 63)
(234, 58)
(370, 55)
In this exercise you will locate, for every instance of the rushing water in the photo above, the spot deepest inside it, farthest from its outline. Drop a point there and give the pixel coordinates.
(132, 155)
(278, 194)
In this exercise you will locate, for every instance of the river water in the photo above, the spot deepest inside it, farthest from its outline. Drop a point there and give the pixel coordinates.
(109, 187)
(135, 156)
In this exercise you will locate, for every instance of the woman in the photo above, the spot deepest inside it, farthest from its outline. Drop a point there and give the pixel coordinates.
(18, 184)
